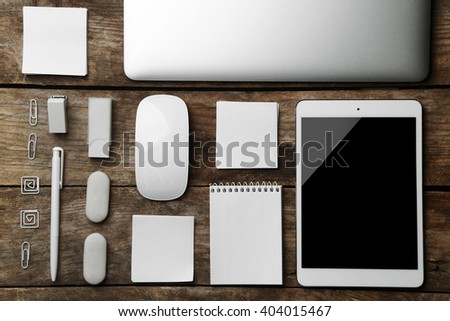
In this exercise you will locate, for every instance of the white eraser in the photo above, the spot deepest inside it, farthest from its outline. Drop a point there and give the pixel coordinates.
(99, 127)
(94, 259)
(57, 120)
(97, 197)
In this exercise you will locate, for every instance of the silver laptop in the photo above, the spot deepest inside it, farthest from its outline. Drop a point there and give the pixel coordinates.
(277, 40)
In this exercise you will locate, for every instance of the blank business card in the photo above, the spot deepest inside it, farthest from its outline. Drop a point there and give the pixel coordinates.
(54, 41)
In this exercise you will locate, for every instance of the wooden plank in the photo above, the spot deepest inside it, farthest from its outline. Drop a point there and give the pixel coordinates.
(14, 131)
(186, 293)
(125, 201)
(105, 51)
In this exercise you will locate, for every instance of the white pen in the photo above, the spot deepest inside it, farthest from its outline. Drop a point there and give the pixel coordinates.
(57, 179)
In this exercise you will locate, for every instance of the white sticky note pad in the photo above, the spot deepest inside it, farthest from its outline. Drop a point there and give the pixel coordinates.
(54, 41)
(162, 248)
(247, 135)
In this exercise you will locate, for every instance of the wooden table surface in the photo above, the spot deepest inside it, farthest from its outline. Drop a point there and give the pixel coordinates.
(107, 79)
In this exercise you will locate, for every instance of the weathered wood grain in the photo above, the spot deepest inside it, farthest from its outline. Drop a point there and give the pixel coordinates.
(14, 131)
(203, 293)
(126, 201)
(105, 50)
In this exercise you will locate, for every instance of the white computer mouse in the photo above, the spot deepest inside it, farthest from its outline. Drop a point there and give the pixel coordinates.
(162, 147)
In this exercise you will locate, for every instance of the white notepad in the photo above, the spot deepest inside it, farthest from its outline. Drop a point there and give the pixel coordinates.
(247, 135)
(54, 41)
(246, 234)
(162, 248)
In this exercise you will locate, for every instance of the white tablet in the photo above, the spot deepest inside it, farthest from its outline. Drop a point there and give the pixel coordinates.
(359, 193)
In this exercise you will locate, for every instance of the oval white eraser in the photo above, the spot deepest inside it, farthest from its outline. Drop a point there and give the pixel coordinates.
(94, 259)
(97, 197)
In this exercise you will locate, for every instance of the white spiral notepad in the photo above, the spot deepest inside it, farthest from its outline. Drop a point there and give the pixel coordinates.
(246, 234)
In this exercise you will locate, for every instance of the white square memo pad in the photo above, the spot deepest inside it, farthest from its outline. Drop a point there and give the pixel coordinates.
(54, 41)
(162, 248)
(247, 135)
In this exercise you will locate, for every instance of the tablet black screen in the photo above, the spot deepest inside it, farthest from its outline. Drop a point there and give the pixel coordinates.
(359, 193)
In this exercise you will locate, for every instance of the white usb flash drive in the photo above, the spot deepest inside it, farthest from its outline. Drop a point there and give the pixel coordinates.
(57, 120)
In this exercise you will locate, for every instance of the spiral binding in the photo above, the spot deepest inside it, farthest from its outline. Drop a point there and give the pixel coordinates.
(245, 187)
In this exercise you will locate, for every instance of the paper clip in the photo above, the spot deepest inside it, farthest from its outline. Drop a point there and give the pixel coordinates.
(29, 185)
(33, 113)
(29, 219)
(25, 254)
(32, 141)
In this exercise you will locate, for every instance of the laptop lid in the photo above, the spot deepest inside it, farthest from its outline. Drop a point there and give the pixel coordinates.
(277, 40)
